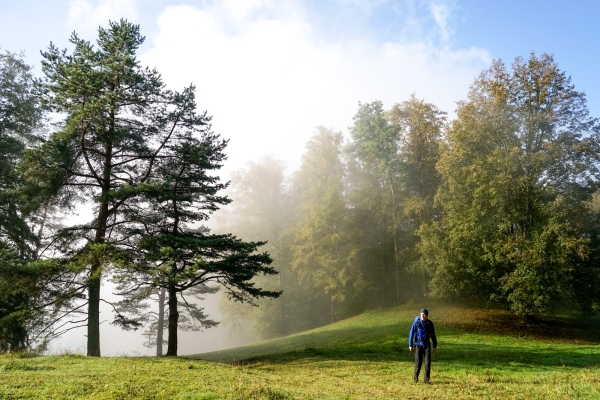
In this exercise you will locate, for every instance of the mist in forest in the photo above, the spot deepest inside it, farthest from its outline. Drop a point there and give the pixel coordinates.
(364, 221)
(366, 168)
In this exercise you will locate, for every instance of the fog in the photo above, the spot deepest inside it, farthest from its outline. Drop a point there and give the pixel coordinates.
(117, 342)
(269, 79)
(283, 81)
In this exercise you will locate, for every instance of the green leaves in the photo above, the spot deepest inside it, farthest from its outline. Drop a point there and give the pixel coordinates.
(515, 177)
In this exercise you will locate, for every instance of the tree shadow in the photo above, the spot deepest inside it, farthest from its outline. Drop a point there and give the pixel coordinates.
(462, 356)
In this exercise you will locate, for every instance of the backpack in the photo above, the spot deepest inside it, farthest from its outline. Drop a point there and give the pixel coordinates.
(421, 334)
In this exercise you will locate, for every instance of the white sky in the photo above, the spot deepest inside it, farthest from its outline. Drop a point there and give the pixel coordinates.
(267, 75)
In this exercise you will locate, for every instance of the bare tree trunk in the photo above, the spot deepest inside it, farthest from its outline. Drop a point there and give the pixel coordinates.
(173, 321)
(396, 272)
(161, 321)
(94, 281)
(332, 311)
(93, 323)
(281, 305)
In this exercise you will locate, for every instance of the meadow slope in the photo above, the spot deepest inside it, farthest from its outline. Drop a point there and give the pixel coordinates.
(482, 354)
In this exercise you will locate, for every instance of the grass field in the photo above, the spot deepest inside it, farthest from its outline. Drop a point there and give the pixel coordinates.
(481, 354)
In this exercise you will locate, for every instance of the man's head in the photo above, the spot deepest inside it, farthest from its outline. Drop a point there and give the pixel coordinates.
(424, 314)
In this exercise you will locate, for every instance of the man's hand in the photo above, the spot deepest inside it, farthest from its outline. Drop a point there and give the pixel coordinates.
(410, 349)
(434, 349)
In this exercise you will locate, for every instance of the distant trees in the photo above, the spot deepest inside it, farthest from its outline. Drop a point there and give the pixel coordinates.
(392, 173)
(376, 150)
(322, 252)
(262, 210)
(337, 243)
(499, 205)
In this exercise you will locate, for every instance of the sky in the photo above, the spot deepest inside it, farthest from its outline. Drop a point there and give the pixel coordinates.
(269, 71)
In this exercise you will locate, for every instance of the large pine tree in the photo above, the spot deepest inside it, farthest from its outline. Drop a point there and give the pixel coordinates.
(119, 118)
(171, 250)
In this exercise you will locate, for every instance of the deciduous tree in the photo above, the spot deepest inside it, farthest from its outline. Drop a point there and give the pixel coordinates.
(518, 171)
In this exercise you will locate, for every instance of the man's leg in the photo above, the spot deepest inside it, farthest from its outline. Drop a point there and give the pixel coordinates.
(427, 356)
(418, 362)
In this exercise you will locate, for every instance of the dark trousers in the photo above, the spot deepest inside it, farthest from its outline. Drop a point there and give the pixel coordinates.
(422, 354)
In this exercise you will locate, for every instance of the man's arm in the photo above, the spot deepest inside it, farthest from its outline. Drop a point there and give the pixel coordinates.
(433, 338)
(411, 336)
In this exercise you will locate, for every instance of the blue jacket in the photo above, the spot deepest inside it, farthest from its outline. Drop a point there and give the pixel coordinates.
(421, 332)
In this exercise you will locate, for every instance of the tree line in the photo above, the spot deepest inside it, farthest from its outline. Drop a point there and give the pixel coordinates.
(498, 205)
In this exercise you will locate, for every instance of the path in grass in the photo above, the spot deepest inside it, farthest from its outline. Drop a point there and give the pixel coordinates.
(491, 356)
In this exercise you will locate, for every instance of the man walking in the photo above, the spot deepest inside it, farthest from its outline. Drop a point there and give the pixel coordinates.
(420, 332)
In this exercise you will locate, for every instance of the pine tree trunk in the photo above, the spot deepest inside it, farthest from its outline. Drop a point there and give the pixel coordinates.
(38, 247)
(93, 323)
(396, 272)
(173, 320)
(161, 322)
(281, 306)
(94, 281)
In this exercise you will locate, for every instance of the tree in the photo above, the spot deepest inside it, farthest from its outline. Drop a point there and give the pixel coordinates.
(420, 126)
(322, 255)
(392, 181)
(261, 210)
(168, 252)
(518, 172)
(20, 117)
(375, 146)
(148, 306)
(32, 292)
(35, 296)
(118, 120)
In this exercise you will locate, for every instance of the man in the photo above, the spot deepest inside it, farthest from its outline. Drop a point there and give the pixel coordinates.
(420, 332)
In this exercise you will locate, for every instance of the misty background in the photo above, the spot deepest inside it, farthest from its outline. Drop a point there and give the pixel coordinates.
(270, 72)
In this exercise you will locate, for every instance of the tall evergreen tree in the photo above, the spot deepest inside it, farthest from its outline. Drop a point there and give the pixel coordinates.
(20, 117)
(169, 251)
(31, 292)
(118, 120)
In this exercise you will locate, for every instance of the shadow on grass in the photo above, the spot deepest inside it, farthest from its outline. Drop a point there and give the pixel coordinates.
(481, 338)
(551, 328)
(513, 358)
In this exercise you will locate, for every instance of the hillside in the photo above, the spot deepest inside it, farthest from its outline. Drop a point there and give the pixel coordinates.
(482, 354)
(386, 330)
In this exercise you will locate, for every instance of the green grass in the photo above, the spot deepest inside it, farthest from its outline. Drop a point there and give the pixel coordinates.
(481, 354)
